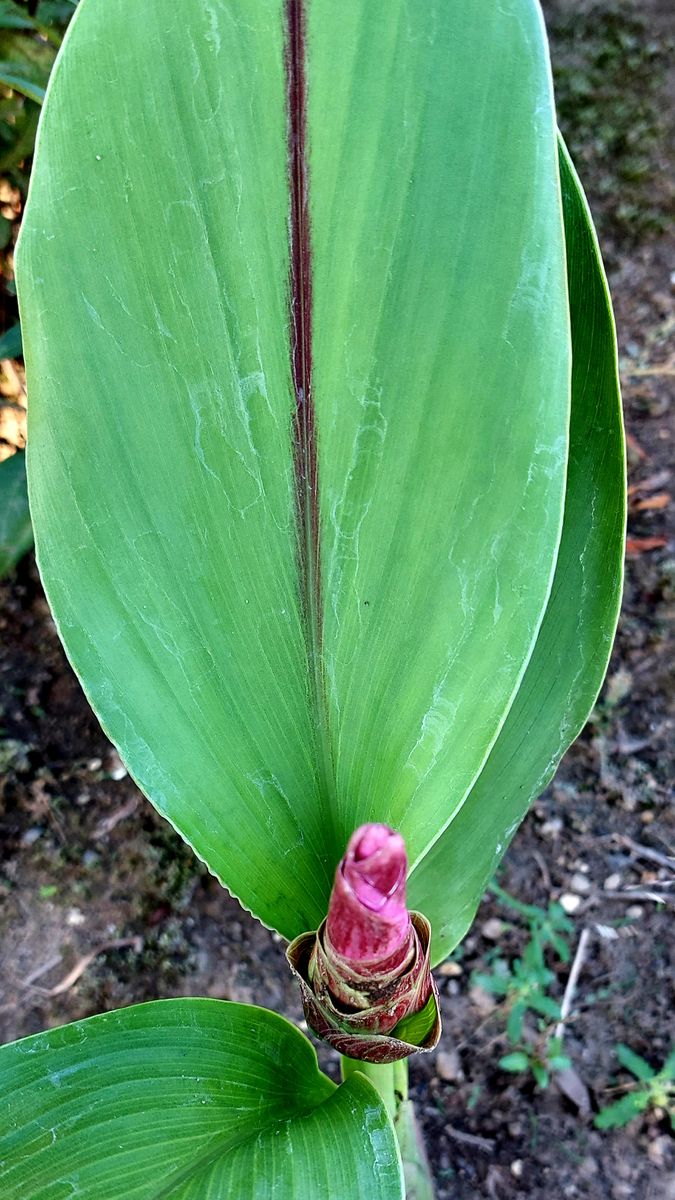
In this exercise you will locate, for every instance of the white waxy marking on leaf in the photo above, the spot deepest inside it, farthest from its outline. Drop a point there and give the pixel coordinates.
(349, 508)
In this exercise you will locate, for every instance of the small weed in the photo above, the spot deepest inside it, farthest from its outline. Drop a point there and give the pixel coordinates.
(540, 1064)
(652, 1090)
(524, 985)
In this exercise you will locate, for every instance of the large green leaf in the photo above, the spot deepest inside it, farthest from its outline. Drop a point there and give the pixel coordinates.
(267, 715)
(16, 530)
(570, 658)
(188, 1100)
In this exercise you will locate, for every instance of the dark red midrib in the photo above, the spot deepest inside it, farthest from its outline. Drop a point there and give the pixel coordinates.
(304, 418)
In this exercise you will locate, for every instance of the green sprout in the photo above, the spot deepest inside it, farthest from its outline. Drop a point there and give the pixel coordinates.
(542, 1062)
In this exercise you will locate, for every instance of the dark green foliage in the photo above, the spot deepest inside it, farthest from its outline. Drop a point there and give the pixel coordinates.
(16, 533)
(30, 35)
(31, 32)
(10, 342)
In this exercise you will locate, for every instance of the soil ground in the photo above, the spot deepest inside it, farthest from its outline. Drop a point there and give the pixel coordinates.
(102, 905)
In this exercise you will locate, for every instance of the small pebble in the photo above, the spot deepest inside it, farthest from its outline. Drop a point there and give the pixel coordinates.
(635, 912)
(552, 827)
(94, 764)
(588, 1167)
(493, 929)
(75, 917)
(612, 882)
(448, 1066)
(116, 768)
(658, 1150)
(517, 1168)
(569, 902)
(32, 835)
(580, 883)
(482, 1000)
(623, 1191)
(451, 968)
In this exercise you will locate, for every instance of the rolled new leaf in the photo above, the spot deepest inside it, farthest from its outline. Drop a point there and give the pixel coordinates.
(365, 975)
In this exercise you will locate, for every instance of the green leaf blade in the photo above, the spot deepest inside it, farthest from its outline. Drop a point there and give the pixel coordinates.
(193, 656)
(438, 325)
(570, 658)
(175, 1097)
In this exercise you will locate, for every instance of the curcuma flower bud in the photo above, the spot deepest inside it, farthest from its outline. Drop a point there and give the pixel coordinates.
(365, 978)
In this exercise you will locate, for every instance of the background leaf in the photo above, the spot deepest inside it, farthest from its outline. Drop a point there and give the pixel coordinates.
(516, 1061)
(572, 651)
(25, 63)
(622, 1111)
(634, 1063)
(187, 1099)
(10, 342)
(13, 17)
(153, 276)
(16, 530)
(12, 78)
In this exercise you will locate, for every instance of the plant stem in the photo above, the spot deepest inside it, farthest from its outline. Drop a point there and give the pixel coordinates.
(391, 1081)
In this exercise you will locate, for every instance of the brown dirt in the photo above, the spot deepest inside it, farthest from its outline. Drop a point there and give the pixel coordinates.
(85, 862)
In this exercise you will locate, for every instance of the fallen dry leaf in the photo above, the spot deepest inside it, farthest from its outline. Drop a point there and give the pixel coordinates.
(661, 500)
(641, 545)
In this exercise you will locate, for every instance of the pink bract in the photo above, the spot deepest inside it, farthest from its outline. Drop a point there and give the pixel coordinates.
(368, 922)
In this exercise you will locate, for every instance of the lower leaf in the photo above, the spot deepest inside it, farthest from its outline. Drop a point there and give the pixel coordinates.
(187, 1099)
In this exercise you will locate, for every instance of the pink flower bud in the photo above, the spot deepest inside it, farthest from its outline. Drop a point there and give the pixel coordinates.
(368, 921)
(365, 972)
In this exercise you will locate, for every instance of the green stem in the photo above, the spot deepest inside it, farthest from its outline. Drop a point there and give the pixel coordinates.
(391, 1081)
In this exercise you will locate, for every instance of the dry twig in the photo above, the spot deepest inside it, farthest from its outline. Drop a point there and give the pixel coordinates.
(81, 965)
(573, 979)
(470, 1139)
